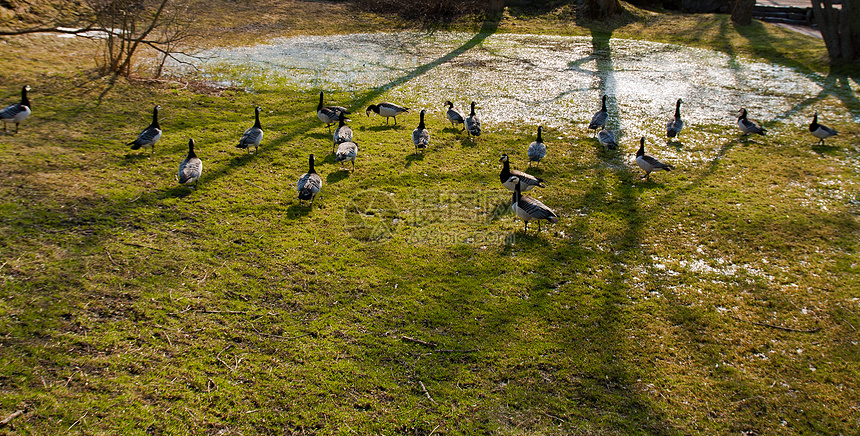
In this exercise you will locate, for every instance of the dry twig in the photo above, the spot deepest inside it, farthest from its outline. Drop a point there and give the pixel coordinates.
(426, 393)
(787, 329)
(9, 418)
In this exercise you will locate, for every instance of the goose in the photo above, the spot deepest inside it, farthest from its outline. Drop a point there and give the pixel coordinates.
(253, 135)
(473, 123)
(820, 131)
(386, 109)
(453, 115)
(342, 134)
(18, 112)
(537, 149)
(528, 208)
(598, 121)
(607, 139)
(309, 183)
(527, 181)
(329, 114)
(648, 163)
(748, 126)
(674, 126)
(421, 136)
(150, 135)
(346, 151)
(190, 168)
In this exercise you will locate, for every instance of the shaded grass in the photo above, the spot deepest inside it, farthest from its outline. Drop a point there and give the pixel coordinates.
(130, 305)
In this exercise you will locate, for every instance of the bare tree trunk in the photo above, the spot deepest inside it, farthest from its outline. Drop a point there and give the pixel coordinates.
(849, 29)
(742, 12)
(839, 29)
(599, 9)
(496, 6)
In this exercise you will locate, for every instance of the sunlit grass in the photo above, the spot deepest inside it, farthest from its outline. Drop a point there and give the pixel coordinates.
(133, 305)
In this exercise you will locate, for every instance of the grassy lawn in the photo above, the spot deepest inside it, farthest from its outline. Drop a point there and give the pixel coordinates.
(719, 298)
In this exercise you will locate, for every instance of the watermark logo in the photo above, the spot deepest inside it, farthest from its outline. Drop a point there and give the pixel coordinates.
(428, 217)
(371, 216)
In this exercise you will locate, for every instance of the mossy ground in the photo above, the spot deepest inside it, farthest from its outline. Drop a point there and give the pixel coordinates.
(394, 305)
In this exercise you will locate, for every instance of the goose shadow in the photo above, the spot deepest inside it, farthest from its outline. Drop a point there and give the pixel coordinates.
(674, 143)
(381, 127)
(469, 141)
(329, 158)
(413, 157)
(242, 159)
(178, 191)
(296, 210)
(134, 157)
(336, 176)
(321, 135)
(825, 150)
(533, 170)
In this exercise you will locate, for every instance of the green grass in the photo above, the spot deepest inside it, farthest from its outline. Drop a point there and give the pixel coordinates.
(131, 305)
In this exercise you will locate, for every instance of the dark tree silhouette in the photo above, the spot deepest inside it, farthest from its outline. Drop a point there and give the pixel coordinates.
(840, 29)
(743, 11)
(600, 9)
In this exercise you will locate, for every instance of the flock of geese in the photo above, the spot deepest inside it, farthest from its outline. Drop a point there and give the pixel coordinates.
(346, 149)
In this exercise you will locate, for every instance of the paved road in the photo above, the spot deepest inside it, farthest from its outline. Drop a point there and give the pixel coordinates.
(798, 4)
(795, 3)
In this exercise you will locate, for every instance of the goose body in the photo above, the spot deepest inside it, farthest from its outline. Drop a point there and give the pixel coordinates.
(473, 123)
(329, 114)
(648, 163)
(820, 131)
(253, 135)
(346, 152)
(150, 135)
(190, 168)
(746, 126)
(421, 136)
(18, 112)
(674, 126)
(453, 115)
(309, 183)
(607, 139)
(598, 120)
(528, 208)
(537, 149)
(387, 110)
(343, 133)
(526, 181)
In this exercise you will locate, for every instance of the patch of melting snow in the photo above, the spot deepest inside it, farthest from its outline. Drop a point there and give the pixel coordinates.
(717, 266)
(556, 81)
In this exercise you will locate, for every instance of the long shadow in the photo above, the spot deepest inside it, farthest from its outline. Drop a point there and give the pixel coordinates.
(602, 378)
(836, 83)
(488, 28)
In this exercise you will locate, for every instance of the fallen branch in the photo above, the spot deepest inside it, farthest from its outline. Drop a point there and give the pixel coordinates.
(9, 418)
(218, 357)
(418, 341)
(232, 312)
(427, 394)
(255, 185)
(787, 329)
(78, 420)
(141, 246)
(138, 197)
(111, 258)
(444, 350)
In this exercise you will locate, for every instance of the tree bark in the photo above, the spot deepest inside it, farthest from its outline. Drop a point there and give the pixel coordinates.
(599, 9)
(839, 29)
(742, 12)
(495, 6)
